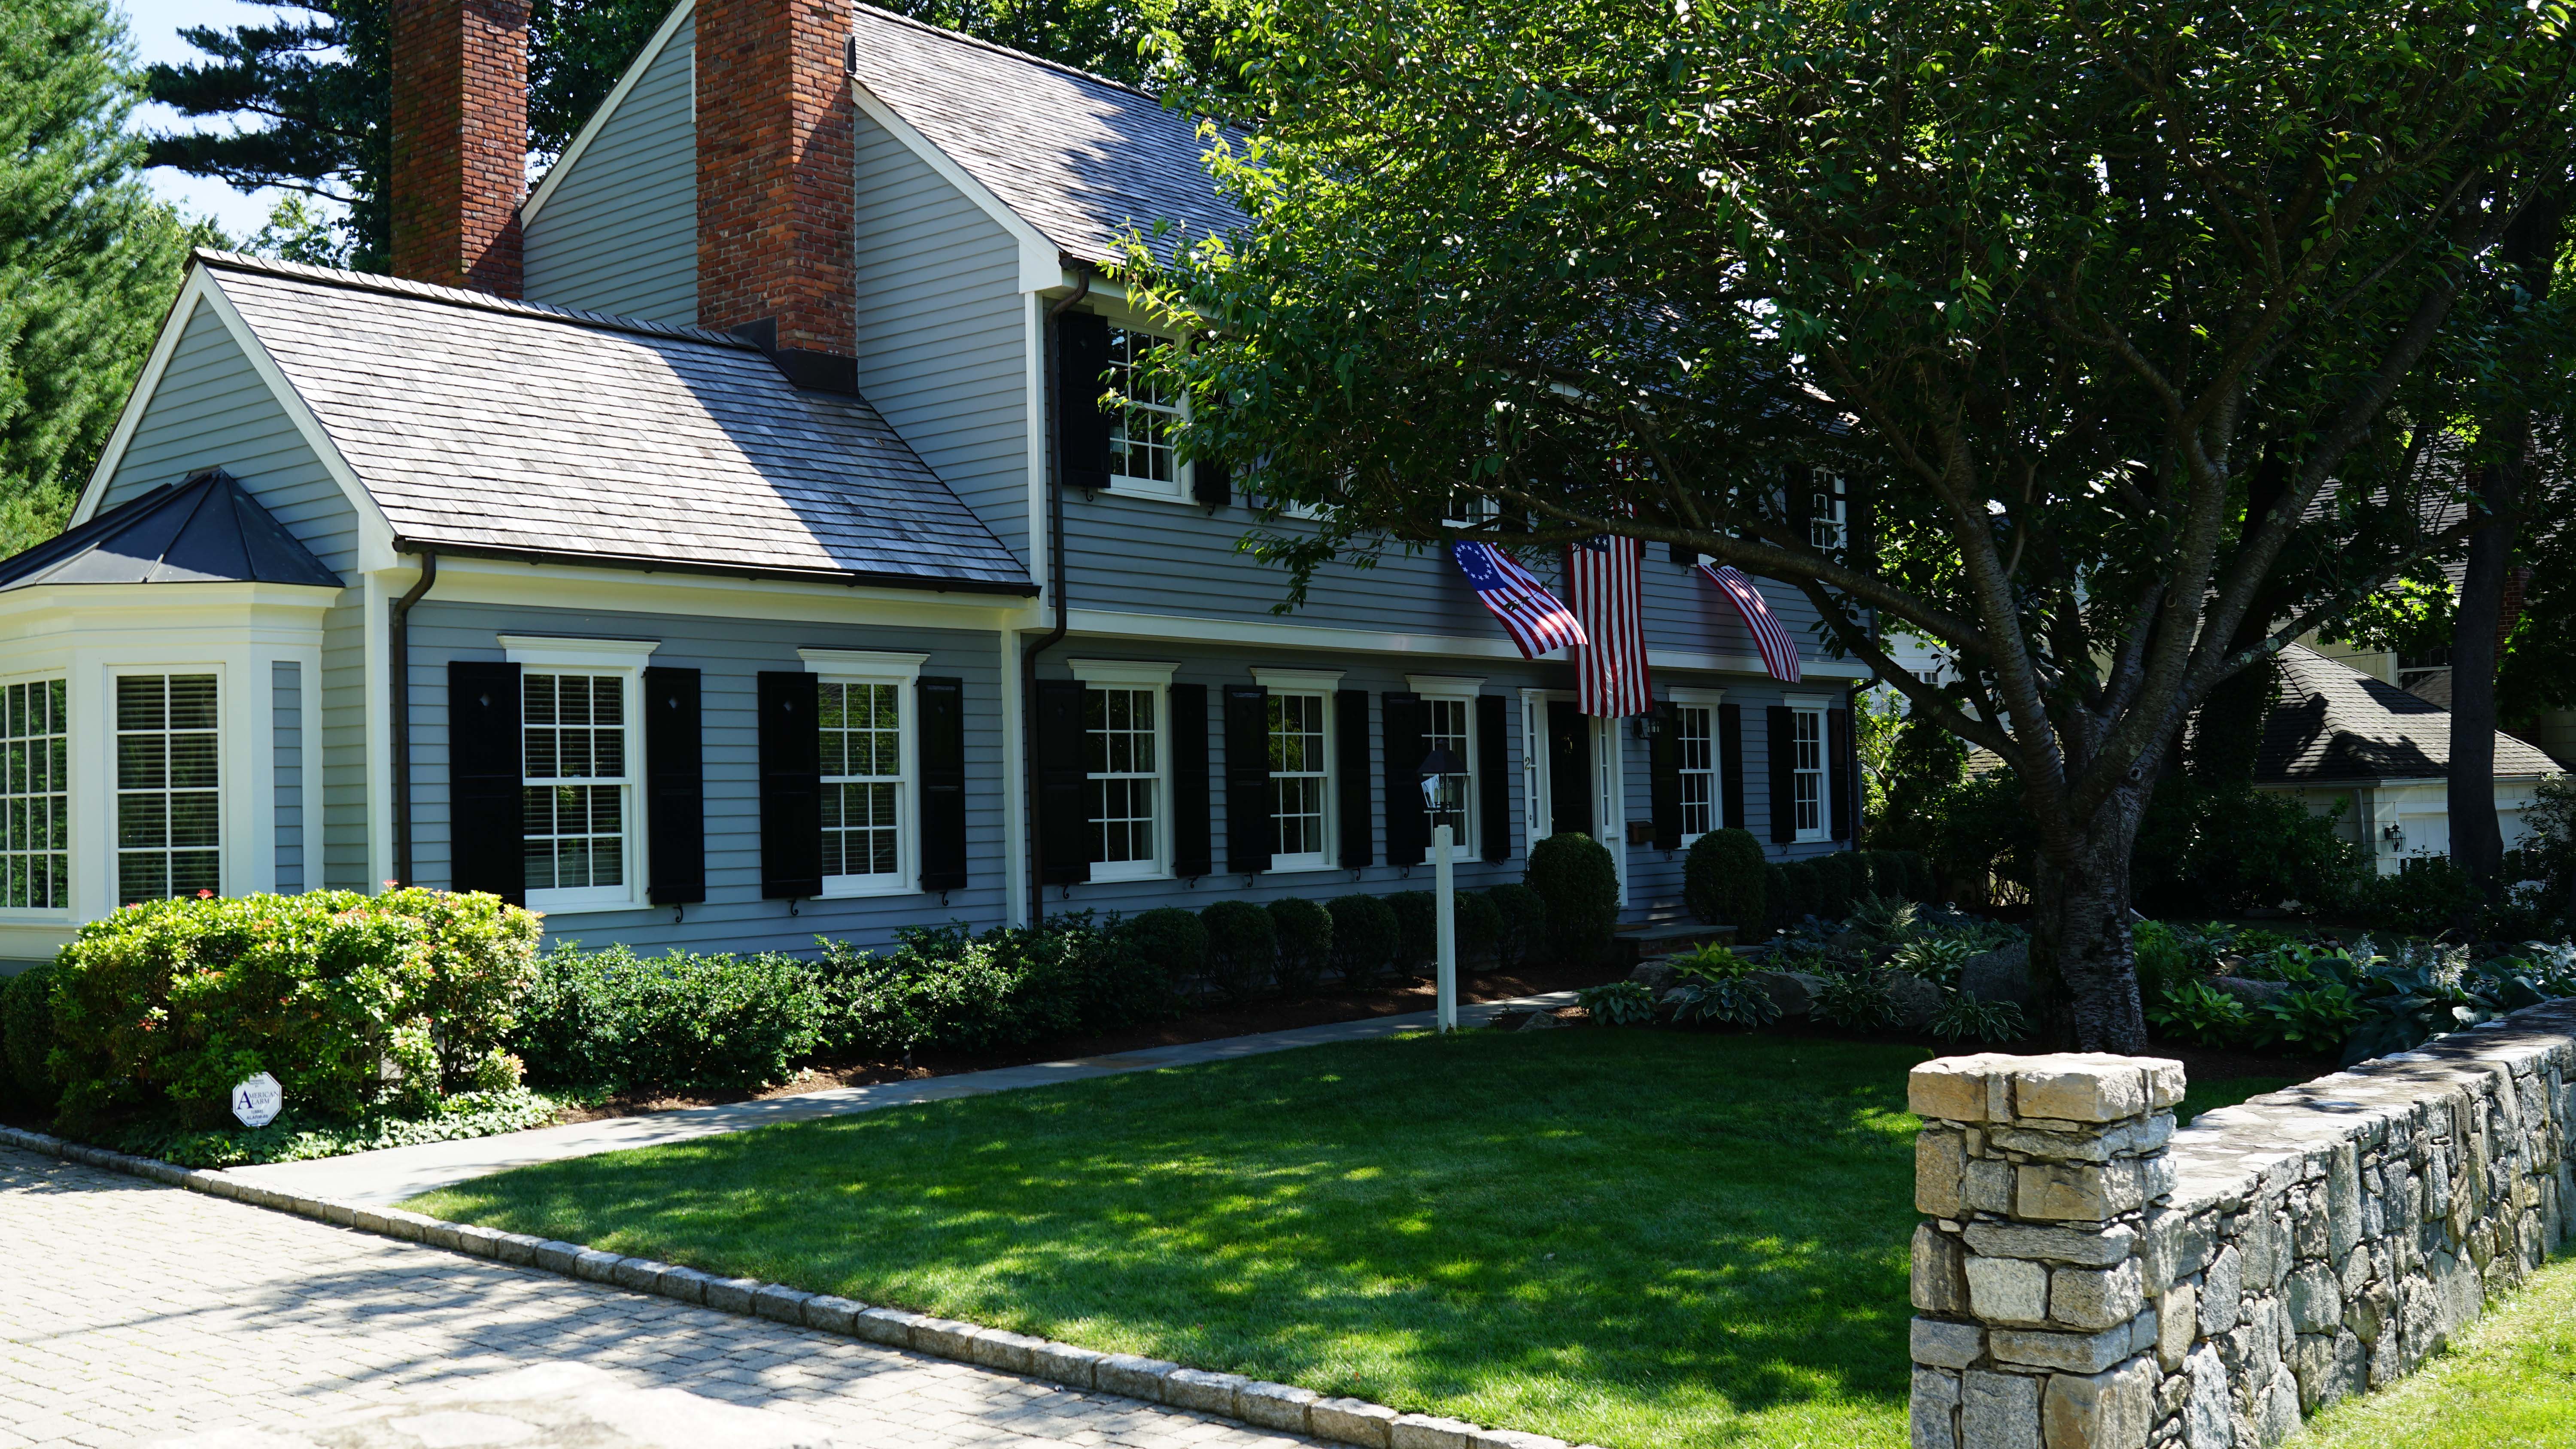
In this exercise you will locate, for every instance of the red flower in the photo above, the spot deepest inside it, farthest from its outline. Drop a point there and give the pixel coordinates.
(205, 895)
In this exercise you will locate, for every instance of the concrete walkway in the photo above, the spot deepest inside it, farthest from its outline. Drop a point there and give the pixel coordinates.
(378, 1179)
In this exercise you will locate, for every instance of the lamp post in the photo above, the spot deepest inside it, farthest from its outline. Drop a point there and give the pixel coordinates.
(1440, 774)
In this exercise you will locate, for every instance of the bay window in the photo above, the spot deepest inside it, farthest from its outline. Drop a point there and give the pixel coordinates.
(35, 796)
(168, 795)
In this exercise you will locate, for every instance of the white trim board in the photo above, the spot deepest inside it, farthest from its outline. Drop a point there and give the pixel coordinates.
(598, 121)
(1182, 628)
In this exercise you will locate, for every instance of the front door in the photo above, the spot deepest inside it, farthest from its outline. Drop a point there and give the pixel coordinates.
(1569, 768)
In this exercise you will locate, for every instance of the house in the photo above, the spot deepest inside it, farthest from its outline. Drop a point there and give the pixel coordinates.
(723, 545)
(2337, 736)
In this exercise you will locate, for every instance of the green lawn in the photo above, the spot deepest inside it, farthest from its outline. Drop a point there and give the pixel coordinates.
(1625, 1238)
(2510, 1383)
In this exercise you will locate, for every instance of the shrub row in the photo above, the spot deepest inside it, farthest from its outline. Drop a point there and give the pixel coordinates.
(1726, 881)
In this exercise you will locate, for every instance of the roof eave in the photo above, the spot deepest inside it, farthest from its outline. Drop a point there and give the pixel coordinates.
(849, 578)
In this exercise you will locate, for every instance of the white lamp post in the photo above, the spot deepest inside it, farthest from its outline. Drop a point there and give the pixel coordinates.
(1440, 796)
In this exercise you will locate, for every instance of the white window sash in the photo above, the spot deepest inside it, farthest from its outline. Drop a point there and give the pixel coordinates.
(1800, 774)
(1321, 857)
(1462, 691)
(1176, 414)
(622, 659)
(1120, 675)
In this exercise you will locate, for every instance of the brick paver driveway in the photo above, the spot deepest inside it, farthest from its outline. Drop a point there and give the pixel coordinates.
(130, 1311)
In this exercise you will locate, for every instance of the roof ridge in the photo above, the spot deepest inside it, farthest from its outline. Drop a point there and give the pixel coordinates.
(458, 297)
(980, 43)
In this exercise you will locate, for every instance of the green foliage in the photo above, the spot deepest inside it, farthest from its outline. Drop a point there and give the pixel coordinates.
(1574, 875)
(1723, 1001)
(1926, 765)
(1936, 959)
(1836, 888)
(1856, 1001)
(300, 1137)
(1779, 904)
(27, 1035)
(1964, 1018)
(1304, 931)
(2161, 958)
(680, 1022)
(1984, 831)
(1169, 939)
(2228, 846)
(1709, 963)
(1888, 920)
(945, 989)
(2198, 1012)
(1803, 889)
(1523, 924)
(1365, 937)
(2318, 1018)
(161, 1007)
(1722, 880)
(1243, 949)
(2422, 897)
(1920, 883)
(1416, 929)
(1480, 928)
(1618, 1003)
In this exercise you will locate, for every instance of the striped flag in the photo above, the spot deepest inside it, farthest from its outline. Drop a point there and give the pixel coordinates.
(1535, 620)
(1605, 574)
(1779, 651)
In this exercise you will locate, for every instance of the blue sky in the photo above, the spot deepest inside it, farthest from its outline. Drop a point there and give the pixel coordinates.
(155, 27)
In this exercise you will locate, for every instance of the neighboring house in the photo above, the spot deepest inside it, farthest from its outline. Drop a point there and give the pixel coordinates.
(690, 561)
(2338, 736)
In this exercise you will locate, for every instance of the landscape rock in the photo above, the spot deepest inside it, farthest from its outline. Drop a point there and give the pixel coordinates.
(1794, 992)
(2251, 992)
(1654, 975)
(1999, 975)
(1917, 1000)
(1539, 1021)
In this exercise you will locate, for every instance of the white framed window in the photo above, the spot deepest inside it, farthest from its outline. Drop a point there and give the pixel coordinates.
(1449, 723)
(1828, 510)
(169, 803)
(1143, 456)
(1126, 768)
(1695, 721)
(35, 796)
(581, 826)
(1807, 770)
(870, 756)
(1303, 828)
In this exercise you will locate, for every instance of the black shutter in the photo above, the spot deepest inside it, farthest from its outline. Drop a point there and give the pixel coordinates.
(1798, 499)
(1664, 774)
(1781, 743)
(675, 792)
(1211, 483)
(1494, 783)
(1064, 807)
(1192, 852)
(1569, 770)
(486, 841)
(1863, 553)
(1247, 779)
(1408, 825)
(1840, 766)
(1730, 763)
(1351, 759)
(791, 786)
(941, 737)
(1685, 555)
(1082, 424)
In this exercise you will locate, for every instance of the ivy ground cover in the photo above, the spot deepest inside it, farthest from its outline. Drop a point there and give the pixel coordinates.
(1623, 1238)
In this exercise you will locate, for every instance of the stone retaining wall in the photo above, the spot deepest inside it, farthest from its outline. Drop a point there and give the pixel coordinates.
(2088, 1276)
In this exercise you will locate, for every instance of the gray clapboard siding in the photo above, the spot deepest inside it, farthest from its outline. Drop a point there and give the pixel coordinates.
(619, 232)
(345, 865)
(730, 654)
(209, 409)
(286, 702)
(942, 330)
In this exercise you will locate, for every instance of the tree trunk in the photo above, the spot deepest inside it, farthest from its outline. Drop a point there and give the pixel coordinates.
(2477, 844)
(2079, 931)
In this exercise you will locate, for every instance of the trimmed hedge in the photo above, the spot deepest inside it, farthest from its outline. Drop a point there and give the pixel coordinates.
(1304, 931)
(1365, 937)
(1722, 880)
(680, 1022)
(1417, 929)
(1806, 891)
(1834, 892)
(27, 1035)
(943, 989)
(1522, 916)
(1574, 875)
(1172, 939)
(1479, 926)
(1243, 949)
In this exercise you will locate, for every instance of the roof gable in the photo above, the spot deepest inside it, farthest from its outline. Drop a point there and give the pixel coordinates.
(2332, 722)
(204, 530)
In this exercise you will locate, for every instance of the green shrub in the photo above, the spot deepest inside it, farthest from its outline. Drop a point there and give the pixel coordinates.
(1365, 936)
(2161, 958)
(1243, 950)
(1964, 1018)
(1305, 934)
(1574, 875)
(26, 1035)
(1722, 879)
(2198, 1012)
(1888, 878)
(1724, 1003)
(1480, 928)
(1919, 882)
(1523, 925)
(1779, 903)
(161, 1007)
(1618, 1003)
(2422, 898)
(2223, 847)
(1856, 1001)
(680, 1022)
(1416, 926)
(942, 988)
(1805, 891)
(1709, 963)
(1835, 890)
(1171, 939)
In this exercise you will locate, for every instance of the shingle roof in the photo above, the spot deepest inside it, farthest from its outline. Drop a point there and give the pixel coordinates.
(482, 424)
(203, 530)
(2333, 722)
(1080, 158)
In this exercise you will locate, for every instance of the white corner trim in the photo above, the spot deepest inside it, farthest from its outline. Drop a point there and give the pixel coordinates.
(1445, 686)
(543, 649)
(1325, 680)
(874, 666)
(1688, 694)
(598, 121)
(1040, 267)
(1123, 671)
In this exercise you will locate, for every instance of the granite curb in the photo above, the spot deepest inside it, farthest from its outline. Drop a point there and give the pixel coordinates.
(1280, 1407)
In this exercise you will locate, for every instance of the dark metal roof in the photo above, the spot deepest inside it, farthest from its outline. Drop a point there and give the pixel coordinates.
(2333, 723)
(203, 530)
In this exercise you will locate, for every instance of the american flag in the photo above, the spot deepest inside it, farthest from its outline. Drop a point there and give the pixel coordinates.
(1536, 621)
(1779, 651)
(1605, 574)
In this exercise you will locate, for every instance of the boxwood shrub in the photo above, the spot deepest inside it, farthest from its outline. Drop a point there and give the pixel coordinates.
(1522, 925)
(1722, 879)
(1574, 875)
(1364, 938)
(1417, 926)
(26, 1036)
(1834, 890)
(1171, 939)
(1480, 928)
(1806, 893)
(1242, 949)
(1304, 932)
(680, 1022)
(944, 988)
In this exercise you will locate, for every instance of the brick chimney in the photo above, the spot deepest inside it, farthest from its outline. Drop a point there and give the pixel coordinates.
(460, 141)
(775, 183)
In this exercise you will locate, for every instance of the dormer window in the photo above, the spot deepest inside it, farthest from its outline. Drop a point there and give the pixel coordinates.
(1142, 457)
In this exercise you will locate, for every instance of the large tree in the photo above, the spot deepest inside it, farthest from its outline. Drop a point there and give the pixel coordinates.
(88, 260)
(2121, 320)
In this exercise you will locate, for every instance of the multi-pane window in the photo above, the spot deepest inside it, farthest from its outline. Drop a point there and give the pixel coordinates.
(1807, 764)
(1828, 511)
(168, 837)
(35, 824)
(1149, 408)
(1297, 780)
(862, 728)
(573, 739)
(1698, 753)
(1122, 774)
(1444, 727)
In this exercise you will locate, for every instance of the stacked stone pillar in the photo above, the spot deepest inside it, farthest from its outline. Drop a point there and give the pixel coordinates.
(2035, 1175)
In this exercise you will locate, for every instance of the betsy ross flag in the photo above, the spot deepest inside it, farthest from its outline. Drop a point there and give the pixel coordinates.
(1605, 574)
(1779, 651)
(1536, 621)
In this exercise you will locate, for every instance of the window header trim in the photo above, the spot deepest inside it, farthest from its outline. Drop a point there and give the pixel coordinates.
(544, 650)
(1298, 681)
(1129, 672)
(872, 666)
